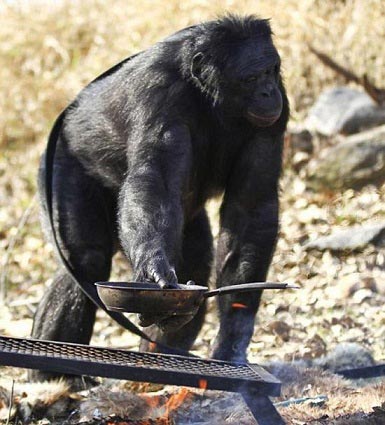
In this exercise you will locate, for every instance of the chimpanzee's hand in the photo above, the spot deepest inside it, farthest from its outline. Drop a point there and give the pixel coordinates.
(168, 322)
(160, 272)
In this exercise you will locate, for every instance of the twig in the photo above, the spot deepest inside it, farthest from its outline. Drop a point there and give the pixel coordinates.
(376, 93)
(3, 277)
(312, 401)
(10, 403)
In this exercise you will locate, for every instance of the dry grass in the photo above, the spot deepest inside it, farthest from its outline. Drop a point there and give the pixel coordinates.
(51, 49)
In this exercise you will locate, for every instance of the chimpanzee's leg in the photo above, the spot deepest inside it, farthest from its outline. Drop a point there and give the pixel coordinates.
(195, 265)
(243, 256)
(247, 239)
(81, 217)
(64, 314)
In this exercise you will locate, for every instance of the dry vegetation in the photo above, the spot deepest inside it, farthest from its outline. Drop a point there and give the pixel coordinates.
(49, 50)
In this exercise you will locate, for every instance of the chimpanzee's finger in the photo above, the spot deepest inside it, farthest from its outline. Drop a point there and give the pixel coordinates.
(171, 277)
(163, 282)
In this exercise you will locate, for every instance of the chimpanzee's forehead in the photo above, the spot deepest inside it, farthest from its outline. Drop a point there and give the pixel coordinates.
(254, 54)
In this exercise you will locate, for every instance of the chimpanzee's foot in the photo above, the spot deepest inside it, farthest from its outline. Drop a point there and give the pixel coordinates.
(237, 319)
(227, 355)
(231, 345)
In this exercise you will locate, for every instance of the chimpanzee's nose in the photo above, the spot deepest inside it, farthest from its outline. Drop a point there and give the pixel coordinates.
(267, 90)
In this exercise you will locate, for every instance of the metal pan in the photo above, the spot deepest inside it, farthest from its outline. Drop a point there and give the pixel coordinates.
(148, 298)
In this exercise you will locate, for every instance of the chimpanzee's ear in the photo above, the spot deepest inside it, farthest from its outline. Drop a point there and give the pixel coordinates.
(196, 66)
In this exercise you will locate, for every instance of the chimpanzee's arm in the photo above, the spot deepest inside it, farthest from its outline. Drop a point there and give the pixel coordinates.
(249, 226)
(150, 210)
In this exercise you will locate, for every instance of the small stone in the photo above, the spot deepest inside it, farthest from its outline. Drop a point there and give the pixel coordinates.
(315, 347)
(362, 295)
(300, 159)
(282, 329)
(348, 285)
(368, 282)
(299, 139)
(298, 147)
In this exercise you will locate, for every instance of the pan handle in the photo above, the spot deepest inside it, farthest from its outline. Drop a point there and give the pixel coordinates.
(248, 287)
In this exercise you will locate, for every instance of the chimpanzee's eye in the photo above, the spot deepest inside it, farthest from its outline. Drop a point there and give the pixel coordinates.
(251, 79)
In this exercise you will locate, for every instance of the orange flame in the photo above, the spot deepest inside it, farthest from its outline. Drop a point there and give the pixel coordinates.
(152, 346)
(176, 400)
(238, 305)
(160, 408)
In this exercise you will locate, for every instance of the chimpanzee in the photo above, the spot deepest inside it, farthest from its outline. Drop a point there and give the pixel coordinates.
(141, 150)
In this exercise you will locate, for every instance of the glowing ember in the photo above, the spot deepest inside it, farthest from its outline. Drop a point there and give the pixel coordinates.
(238, 305)
(152, 401)
(202, 384)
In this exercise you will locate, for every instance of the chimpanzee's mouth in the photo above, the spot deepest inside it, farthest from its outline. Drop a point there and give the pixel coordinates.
(262, 120)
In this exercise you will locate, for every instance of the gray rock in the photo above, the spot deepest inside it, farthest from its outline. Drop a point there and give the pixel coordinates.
(344, 110)
(350, 239)
(356, 161)
(349, 355)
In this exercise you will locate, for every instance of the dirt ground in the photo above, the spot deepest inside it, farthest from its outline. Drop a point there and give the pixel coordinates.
(341, 297)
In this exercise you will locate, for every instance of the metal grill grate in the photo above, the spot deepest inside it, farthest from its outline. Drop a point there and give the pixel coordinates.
(122, 364)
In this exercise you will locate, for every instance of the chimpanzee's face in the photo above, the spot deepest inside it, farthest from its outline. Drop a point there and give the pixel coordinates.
(250, 82)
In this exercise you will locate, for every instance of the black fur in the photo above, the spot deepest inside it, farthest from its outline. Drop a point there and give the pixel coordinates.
(140, 152)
